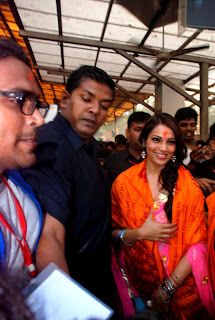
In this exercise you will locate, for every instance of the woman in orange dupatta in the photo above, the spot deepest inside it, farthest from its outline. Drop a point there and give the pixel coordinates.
(156, 244)
(211, 238)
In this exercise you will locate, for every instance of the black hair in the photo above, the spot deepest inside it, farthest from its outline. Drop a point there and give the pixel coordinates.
(138, 116)
(102, 150)
(169, 173)
(119, 136)
(88, 72)
(111, 144)
(9, 48)
(12, 301)
(186, 114)
(121, 141)
(212, 132)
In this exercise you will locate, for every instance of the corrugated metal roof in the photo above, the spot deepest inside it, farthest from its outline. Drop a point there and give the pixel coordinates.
(97, 28)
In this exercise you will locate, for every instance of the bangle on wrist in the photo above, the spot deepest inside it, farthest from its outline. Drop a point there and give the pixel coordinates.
(120, 236)
(164, 298)
(175, 278)
(169, 288)
(166, 290)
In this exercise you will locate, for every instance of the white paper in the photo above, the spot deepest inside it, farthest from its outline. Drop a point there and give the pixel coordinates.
(60, 297)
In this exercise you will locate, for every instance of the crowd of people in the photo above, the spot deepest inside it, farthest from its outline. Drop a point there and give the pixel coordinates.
(154, 226)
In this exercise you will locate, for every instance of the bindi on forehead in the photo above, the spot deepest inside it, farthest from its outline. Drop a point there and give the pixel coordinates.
(30, 76)
(165, 133)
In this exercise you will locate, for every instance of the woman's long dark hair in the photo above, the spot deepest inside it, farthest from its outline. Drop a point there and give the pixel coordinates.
(169, 173)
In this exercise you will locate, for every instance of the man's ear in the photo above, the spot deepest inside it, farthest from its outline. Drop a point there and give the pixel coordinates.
(64, 99)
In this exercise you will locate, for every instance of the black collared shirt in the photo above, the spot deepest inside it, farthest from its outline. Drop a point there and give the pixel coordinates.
(205, 169)
(72, 187)
(118, 162)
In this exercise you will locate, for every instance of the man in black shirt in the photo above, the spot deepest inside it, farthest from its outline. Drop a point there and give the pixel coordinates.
(121, 160)
(196, 153)
(206, 169)
(72, 187)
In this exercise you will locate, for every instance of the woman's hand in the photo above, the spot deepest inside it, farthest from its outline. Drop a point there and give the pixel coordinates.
(157, 304)
(155, 231)
(150, 230)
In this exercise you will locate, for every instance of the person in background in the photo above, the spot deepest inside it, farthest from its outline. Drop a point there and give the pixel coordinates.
(20, 117)
(158, 217)
(206, 169)
(120, 141)
(102, 152)
(196, 153)
(111, 146)
(124, 159)
(72, 187)
(118, 136)
(187, 122)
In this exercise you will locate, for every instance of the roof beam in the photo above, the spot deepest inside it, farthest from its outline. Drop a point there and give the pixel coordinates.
(151, 26)
(6, 24)
(15, 13)
(118, 107)
(159, 77)
(124, 100)
(211, 85)
(136, 98)
(204, 101)
(192, 77)
(107, 45)
(60, 30)
(210, 93)
(104, 27)
(194, 35)
(52, 87)
(151, 77)
(161, 11)
(54, 82)
(191, 38)
(66, 72)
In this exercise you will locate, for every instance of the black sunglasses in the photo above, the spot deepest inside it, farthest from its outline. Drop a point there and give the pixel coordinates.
(27, 103)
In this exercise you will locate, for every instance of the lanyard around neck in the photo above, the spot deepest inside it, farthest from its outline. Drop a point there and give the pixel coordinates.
(21, 242)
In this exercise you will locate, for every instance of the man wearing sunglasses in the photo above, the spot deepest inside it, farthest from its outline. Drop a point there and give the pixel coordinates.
(20, 214)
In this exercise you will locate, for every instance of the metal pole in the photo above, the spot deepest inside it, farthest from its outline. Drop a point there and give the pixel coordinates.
(204, 101)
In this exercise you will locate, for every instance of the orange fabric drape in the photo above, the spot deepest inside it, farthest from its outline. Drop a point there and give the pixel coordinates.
(211, 229)
(131, 203)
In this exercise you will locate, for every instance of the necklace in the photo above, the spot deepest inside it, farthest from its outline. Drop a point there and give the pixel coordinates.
(163, 197)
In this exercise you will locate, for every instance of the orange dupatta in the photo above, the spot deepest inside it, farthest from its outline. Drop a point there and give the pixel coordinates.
(131, 203)
(211, 239)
